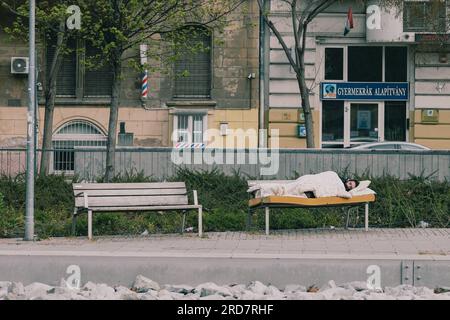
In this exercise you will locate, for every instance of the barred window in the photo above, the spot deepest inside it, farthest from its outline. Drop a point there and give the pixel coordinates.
(77, 133)
(97, 81)
(66, 79)
(193, 69)
(424, 16)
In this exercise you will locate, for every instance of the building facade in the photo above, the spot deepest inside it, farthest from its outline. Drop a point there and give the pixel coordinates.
(219, 92)
(388, 79)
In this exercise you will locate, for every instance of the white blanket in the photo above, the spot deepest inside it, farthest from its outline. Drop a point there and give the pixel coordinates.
(325, 184)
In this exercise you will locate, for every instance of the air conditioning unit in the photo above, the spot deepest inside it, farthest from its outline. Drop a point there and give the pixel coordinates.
(19, 65)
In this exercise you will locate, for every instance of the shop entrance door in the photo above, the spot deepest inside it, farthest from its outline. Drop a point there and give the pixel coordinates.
(364, 123)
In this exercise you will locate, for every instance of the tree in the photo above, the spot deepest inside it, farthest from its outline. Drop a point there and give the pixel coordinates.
(118, 27)
(51, 29)
(302, 13)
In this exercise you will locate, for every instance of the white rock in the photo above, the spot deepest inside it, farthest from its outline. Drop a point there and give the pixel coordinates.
(330, 285)
(250, 295)
(356, 285)
(378, 296)
(3, 292)
(176, 296)
(209, 288)
(213, 297)
(99, 292)
(125, 293)
(145, 296)
(294, 288)
(89, 286)
(5, 284)
(17, 288)
(143, 284)
(336, 293)
(273, 291)
(238, 290)
(184, 288)
(64, 284)
(37, 289)
(305, 296)
(425, 292)
(257, 287)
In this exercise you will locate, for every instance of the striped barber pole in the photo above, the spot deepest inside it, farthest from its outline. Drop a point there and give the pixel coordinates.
(185, 145)
(144, 94)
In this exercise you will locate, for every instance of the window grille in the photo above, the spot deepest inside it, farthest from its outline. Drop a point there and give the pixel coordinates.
(97, 80)
(193, 70)
(66, 79)
(424, 16)
(76, 133)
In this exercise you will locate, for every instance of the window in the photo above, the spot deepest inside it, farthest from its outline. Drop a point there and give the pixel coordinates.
(193, 68)
(333, 121)
(334, 64)
(73, 134)
(365, 64)
(97, 81)
(190, 128)
(425, 16)
(395, 121)
(396, 64)
(66, 79)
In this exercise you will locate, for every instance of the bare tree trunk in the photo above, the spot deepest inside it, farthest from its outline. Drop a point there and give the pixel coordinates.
(50, 94)
(304, 94)
(113, 117)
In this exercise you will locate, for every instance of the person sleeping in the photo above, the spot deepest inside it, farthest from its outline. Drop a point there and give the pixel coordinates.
(324, 184)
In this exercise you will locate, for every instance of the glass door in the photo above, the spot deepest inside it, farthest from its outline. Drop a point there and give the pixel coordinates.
(365, 123)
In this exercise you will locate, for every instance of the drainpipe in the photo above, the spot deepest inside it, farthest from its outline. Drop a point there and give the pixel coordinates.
(262, 138)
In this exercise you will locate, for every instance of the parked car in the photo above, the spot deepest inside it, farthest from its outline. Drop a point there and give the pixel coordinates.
(391, 145)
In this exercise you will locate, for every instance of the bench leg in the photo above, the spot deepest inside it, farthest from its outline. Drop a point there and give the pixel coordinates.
(90, 224)
(200, 222)
(348, 218)
(74, 221)
(183, 227)
(366, 216)
(267, 219)
(249, 218)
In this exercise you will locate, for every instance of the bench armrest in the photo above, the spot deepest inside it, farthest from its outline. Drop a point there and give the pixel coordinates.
(86, 200)
(194, 192)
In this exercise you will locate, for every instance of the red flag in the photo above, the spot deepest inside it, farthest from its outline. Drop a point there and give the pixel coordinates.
(349, 23)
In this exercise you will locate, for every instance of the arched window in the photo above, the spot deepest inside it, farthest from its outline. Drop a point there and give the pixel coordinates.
(193, 67)
(76, 133)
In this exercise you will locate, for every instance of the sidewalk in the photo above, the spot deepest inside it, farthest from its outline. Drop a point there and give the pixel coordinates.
(419, 257)
(413, 244)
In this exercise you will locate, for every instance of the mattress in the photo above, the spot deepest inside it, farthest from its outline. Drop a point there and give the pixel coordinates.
(287, 201)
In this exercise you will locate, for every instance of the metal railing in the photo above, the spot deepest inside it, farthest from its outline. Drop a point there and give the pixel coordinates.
(161, 163)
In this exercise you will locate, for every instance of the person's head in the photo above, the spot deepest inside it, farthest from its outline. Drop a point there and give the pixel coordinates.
(350, 184)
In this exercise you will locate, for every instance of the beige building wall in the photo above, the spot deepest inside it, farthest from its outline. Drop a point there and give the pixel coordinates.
(150, 127)
(286, 121)
(234, 98)
(432, 97)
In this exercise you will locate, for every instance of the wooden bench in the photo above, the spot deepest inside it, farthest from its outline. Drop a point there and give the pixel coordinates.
(114, 197)
(297, 202)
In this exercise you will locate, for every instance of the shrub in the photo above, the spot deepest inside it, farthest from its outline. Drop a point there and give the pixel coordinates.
(224, 198)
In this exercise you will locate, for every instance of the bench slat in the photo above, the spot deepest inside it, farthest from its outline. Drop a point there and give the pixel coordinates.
(115, 186)
(146, 208)
(125, 201)
(131, 192)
